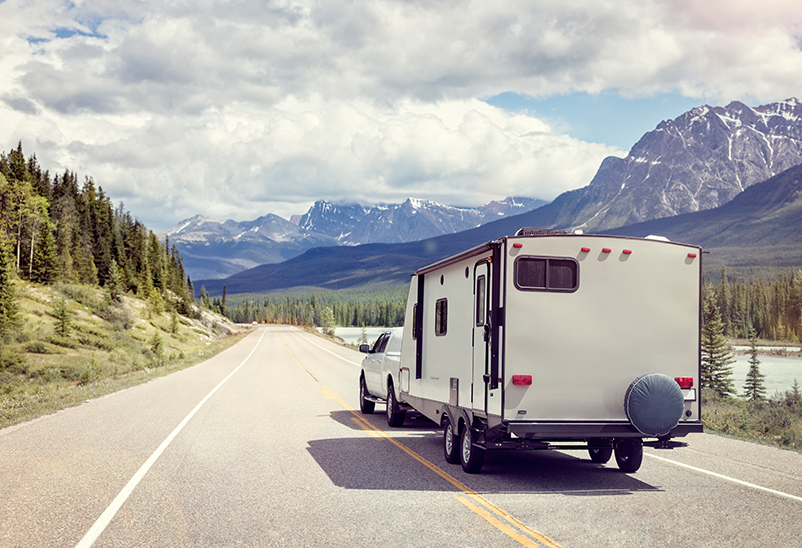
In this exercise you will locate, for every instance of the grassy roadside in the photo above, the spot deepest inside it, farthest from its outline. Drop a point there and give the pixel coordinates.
(776, 421)
(103, 348)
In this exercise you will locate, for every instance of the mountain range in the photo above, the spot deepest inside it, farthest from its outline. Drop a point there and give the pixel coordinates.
(695, 163)
(761, 226)
(216, 249)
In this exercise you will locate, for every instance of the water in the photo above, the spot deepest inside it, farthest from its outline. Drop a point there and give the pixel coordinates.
(351, 335)
(780, 373)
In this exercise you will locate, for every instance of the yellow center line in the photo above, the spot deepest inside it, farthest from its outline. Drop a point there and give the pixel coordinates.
(506, 529)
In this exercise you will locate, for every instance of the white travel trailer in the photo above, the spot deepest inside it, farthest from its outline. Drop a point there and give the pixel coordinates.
(550, 340)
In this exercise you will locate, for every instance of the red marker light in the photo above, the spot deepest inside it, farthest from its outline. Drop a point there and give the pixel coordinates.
(684, 382)
(585, 250)
(522, 380)
(607, 250)
(692, 255)
(627, 252)
(517, 245)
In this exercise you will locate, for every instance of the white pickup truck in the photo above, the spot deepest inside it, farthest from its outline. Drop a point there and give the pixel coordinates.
(378, 380)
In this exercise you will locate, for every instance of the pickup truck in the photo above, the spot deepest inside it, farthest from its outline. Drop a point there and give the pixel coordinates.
(379, 376)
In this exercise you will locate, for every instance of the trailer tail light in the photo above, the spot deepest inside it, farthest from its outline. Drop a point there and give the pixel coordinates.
(522, 380)
(684, 382)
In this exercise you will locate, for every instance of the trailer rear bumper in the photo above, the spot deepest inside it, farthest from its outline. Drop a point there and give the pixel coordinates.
(587, 430)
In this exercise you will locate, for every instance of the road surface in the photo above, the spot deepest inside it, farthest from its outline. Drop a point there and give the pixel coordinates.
(261, 446)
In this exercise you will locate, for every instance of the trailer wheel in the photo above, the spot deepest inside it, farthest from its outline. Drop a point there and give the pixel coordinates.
(472, 457)
(629, 455)
(365, 406)
(395, 417)
(450, 443)
(600, 455)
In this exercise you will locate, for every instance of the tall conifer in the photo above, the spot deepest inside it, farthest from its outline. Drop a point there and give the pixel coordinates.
(716, 358)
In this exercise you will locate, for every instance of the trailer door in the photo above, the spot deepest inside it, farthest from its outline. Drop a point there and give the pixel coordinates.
(482, 334)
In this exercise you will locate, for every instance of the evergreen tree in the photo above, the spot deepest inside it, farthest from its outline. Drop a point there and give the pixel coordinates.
(114, 283)
(63, 318)
(45, 269)
(9, 310)
(754, 389)
(716, 358)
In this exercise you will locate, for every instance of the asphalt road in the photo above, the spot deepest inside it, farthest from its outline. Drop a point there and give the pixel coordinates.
(261, 446)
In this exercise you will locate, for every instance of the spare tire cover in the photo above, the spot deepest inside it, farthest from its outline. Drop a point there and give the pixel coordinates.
(654, 404)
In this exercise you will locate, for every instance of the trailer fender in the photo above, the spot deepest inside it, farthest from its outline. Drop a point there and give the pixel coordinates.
(654, 404)
(460, 418)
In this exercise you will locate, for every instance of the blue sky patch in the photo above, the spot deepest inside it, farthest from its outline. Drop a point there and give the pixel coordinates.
(604, 118)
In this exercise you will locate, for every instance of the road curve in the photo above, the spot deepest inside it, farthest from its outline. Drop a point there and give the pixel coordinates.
(261, 446)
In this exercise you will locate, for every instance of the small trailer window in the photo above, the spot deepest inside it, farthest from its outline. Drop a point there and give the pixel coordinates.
(546, 274)
(414, 322)
(480, 300)
(440, 317)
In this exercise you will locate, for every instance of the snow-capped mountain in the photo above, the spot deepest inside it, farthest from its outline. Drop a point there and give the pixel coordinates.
(216, 249)
(698, 161)
(407, 222)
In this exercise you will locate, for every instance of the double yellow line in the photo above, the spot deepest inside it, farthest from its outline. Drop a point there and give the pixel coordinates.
(498, 518)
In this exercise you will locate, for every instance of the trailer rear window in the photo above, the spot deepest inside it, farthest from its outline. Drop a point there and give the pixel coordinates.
(546, 274)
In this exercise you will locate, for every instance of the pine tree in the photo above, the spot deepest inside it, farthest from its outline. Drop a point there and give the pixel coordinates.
(754, 388)
(716, 358)
(63, 318)
(9, 310)
(44, 264)
(114, 283)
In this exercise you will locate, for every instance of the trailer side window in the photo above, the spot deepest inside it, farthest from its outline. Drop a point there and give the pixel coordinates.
(414, 321)
(546, 274)
(440, 317)
(480, 300)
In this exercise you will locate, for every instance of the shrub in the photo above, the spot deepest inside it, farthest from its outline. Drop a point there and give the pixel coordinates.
(63, 342)
(38, 347)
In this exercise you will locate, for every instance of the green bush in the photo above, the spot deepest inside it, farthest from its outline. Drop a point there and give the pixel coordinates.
(38, 347)
(63, 342)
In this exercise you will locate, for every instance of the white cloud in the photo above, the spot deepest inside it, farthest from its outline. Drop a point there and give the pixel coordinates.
(242, 108)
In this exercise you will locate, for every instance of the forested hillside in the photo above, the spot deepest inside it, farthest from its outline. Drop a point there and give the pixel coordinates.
(53, 228)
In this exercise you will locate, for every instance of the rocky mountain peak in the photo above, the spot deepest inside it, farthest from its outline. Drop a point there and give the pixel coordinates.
(697, 161)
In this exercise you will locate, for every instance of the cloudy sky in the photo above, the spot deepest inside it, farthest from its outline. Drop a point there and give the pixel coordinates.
(241, 108)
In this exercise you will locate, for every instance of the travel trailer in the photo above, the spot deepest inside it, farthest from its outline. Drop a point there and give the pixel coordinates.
(550, 340)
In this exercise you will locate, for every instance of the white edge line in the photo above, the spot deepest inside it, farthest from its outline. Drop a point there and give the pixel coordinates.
(727, 478)
(327, 350)
(105, 518)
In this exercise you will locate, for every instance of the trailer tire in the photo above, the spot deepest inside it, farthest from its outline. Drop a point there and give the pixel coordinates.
(395, 417)
(600, 455)
(451, 445)
(629, 455)
(365, 406)
(472, 457)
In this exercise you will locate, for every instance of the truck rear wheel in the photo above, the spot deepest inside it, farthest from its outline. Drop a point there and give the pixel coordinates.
(472, 457)
(365, 406)
(395, 417)
(450, 443)
(629, 455)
